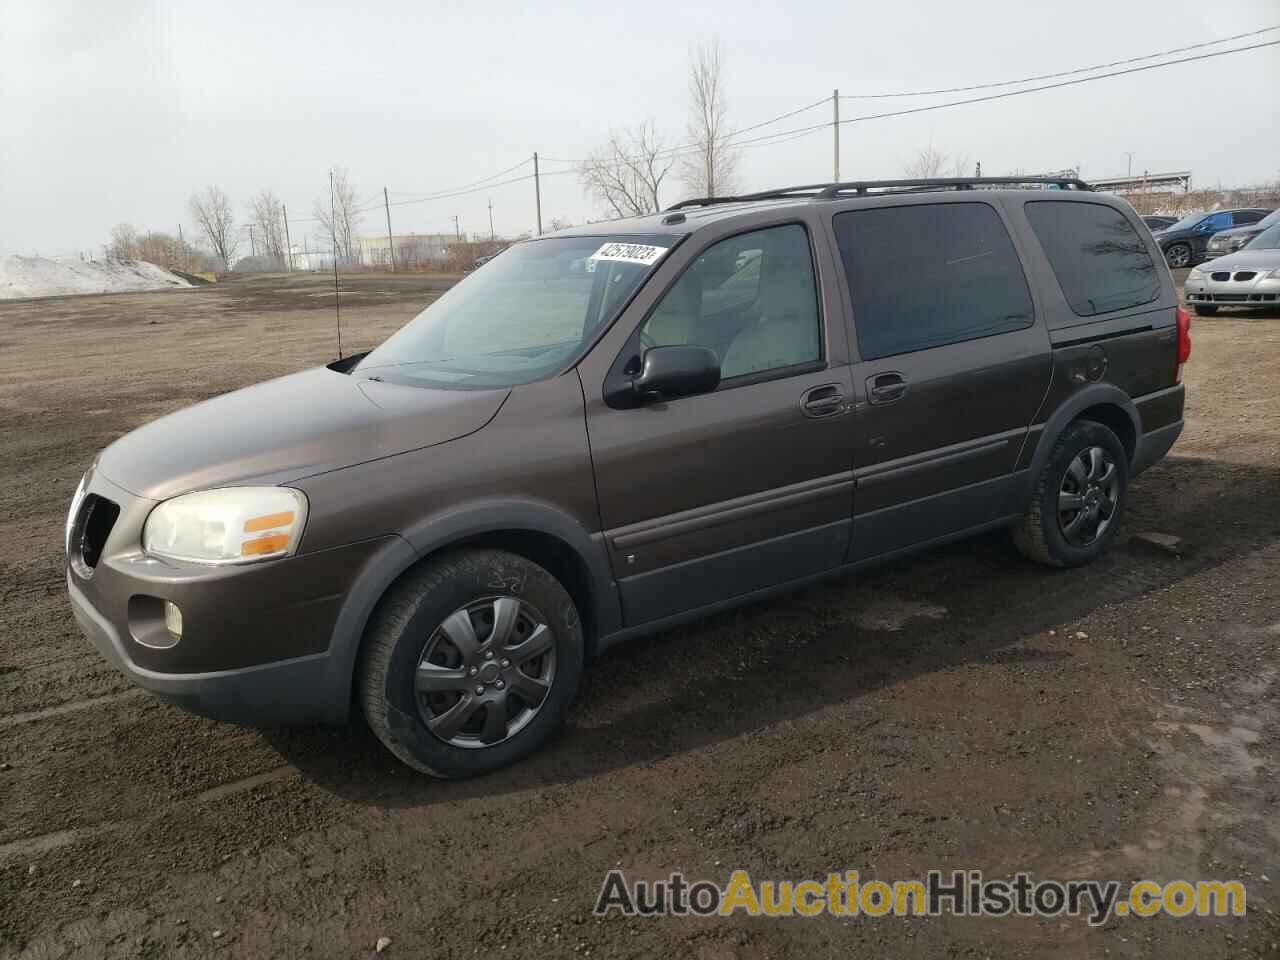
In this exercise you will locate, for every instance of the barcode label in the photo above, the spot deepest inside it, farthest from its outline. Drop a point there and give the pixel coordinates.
(641, 253)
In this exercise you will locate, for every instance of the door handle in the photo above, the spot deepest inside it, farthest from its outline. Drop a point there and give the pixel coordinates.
(886, 387)
(824, 401)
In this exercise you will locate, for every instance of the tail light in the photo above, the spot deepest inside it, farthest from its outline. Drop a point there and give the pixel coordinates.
(1184, 342)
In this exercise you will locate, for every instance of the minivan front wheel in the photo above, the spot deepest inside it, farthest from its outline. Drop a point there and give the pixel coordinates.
(1079, 497)
(470, 663)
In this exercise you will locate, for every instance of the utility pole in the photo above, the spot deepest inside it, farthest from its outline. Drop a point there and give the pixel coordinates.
(391, 246)
(1129, 171)
(835, 129)
(253, 248)
(333, 236)
(457, 231)
(288, 244)
(492, 235)
(182, 249)
(537, 191)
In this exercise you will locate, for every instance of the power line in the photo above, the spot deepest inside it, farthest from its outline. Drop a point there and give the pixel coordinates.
(474, 183)
(1018, 93)
(672, 151)
(732, 139)
(1064, 73)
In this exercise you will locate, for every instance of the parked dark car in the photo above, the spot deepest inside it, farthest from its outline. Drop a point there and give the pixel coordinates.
(1184, 244)
(1229, 241)
(1159, 223)
(623, 426)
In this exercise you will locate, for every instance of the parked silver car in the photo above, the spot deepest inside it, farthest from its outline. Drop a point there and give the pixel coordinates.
(1246, 278)
(1229, 241)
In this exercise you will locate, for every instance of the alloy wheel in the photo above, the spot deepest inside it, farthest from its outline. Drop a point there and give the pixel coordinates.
(485, 672)
(1088, 496)
(1178, 256)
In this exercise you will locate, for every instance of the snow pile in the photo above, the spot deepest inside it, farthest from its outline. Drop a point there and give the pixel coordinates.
(45, 277)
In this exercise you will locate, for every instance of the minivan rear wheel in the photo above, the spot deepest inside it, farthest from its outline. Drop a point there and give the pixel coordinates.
(470, 663)
(1178, 255)
(1079, 498)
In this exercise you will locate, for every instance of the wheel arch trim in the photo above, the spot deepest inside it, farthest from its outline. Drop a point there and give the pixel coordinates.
(447, 528)
(1093, 395)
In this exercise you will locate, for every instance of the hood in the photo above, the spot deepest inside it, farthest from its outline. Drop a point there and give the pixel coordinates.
(1259, 260)
(298, 425)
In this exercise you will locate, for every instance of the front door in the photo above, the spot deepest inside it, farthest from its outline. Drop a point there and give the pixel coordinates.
(953, 368)
(714, 496)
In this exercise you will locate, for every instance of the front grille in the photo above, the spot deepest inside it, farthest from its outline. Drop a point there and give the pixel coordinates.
(1246, 275)
(1230, 298)
(1221, 276)
(97, 516)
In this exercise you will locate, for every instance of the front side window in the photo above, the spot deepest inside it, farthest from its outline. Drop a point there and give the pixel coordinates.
(519, 318)
(928, 275)
(1100, 261)
(1215, 222)
(750, 298)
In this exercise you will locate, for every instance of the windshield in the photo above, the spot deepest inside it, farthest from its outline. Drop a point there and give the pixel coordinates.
(1269, 220)
(1268, 239)
(1187, 222)
(521, 316)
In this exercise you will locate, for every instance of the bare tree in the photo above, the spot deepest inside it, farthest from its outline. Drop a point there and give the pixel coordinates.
(163, 249)
(625, 175)
(931, 162)
(345, 221)
(212, 212)
(267, 218)
(710, 170)
(125, 242)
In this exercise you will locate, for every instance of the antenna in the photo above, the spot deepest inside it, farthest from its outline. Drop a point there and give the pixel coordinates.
(333, 235)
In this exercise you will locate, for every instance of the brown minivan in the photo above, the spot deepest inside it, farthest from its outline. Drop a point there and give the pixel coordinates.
(622, 426)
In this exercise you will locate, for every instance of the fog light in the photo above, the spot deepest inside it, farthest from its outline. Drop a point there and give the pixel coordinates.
(173, 619)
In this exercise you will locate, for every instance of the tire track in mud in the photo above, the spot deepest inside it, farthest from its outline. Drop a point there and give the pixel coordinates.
(31, 716)
(48, 842)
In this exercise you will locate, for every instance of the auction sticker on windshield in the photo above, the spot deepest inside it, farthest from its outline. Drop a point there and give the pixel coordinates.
(642, 253)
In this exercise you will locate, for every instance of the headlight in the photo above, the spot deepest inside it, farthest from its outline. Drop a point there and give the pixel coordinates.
(76, 500)
(229, 525)
(1195, 274)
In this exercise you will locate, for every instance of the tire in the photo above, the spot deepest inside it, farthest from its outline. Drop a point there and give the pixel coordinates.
(1205, 309)
(1059, 537)
(1178, 255)
(419, 690)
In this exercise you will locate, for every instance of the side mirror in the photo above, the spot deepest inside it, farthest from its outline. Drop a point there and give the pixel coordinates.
(670, 372)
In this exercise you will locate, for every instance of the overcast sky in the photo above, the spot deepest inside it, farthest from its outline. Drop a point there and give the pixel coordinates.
(116, 111)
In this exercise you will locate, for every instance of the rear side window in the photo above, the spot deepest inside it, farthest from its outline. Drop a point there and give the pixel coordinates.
(928, 275)
(1100, 261)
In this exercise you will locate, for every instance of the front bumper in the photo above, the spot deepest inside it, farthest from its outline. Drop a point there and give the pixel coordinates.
(1252, 292)
(259, 640)
(294, 691)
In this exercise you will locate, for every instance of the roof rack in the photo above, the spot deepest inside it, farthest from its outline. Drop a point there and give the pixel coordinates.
(807, 190)
(861, 187)
(831, 191)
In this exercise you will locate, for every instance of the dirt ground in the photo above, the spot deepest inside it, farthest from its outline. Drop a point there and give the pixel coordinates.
(962, 709)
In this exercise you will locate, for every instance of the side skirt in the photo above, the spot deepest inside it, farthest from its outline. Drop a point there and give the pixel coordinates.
(706, 610)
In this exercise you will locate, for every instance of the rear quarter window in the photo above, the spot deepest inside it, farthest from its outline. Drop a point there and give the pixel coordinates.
(1100, 261)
